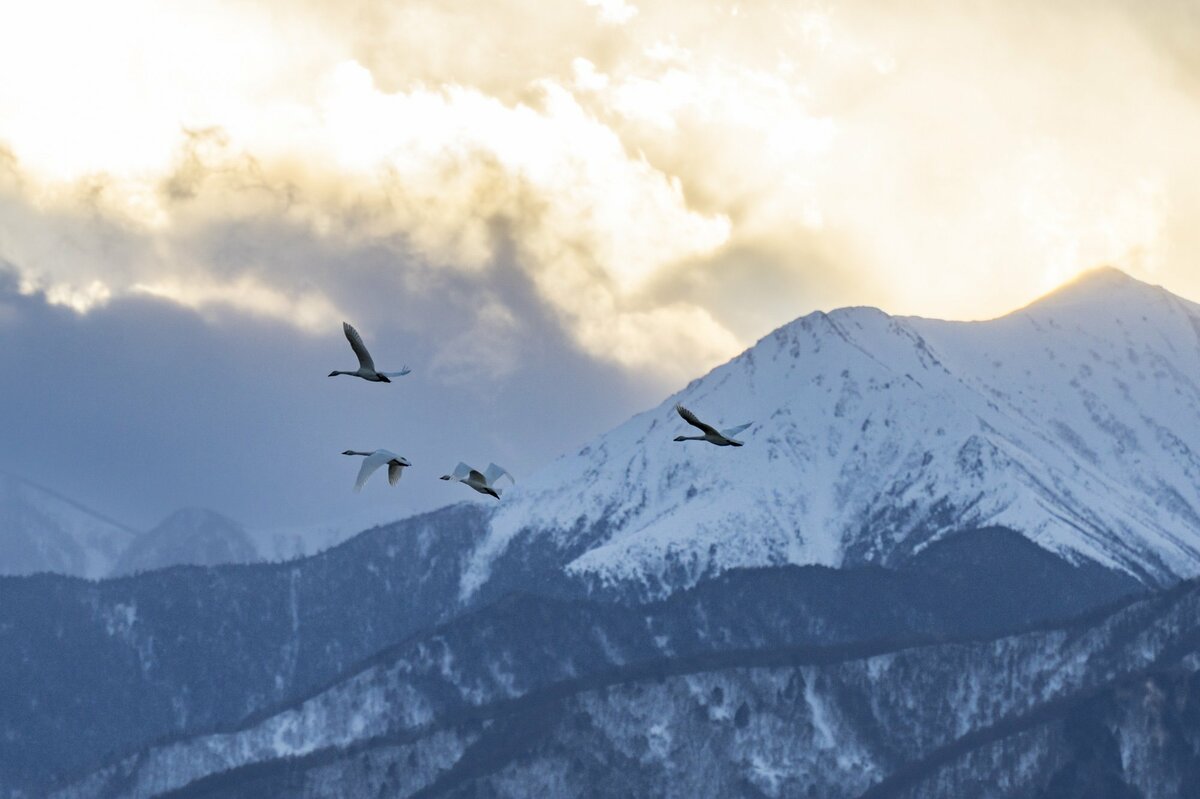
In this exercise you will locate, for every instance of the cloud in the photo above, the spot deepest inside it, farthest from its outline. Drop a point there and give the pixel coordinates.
(308, 310)
(617, 12)
(668, 180)
(434, 173)
(142, 406)
(484, 351)
(553, 225)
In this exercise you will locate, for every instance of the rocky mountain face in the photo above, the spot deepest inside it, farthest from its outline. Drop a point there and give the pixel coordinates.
(98, 667)
(1055, 712)
(940, 566)
(189, 650)
(526, 644)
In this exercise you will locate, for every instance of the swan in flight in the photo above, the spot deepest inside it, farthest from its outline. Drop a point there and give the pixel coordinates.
(484, 483)
(366, 367)
(722, 438)
(374, 460)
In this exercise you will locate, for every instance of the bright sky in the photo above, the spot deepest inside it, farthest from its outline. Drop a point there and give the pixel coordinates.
(673, 178)
(659, 183)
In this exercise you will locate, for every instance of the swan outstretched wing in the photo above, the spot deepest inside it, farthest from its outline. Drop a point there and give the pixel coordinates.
(356, 344)
(395, 467)
(691, 419)
(401, 373)
(369, 465)
(494, 473)
(733, 431)
(461, 472)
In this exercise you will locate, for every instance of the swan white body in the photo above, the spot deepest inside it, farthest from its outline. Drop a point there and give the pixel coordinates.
(722, 438)
(366, 365)
(484, 482)
(373, 460)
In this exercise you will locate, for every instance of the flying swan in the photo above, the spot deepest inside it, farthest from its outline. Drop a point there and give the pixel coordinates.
(366, 367)
(722, 438)
(484, 483)
(374, 460)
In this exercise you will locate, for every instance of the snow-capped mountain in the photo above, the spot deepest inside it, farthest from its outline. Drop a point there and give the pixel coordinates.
(919, 458)
(192, 536)
(1075, 421)
(41, 531)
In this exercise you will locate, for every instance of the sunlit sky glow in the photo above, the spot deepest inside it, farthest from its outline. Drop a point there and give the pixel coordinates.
(674, 178)
(664, 181)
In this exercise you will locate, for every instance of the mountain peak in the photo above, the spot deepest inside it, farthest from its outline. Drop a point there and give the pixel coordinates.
(188, 536)
(1105, 285)
(1102, 276)
(1073, 422)
(40, 530)
(195, 518)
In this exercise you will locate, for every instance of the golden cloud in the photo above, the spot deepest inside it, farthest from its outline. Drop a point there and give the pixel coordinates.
(671, 179)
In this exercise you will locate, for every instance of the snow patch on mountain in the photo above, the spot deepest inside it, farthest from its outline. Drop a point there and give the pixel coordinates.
(1075, 421)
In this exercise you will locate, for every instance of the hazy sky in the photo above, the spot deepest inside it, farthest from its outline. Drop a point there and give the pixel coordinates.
(554, 212)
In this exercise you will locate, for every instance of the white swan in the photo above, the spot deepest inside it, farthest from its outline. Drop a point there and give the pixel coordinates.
(485, 482)
(376, 459)
(366, 367)
(722, 438)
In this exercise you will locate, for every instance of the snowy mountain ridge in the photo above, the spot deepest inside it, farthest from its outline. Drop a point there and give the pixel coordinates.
(42, 531)
(1075, 421)
(192, 536)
